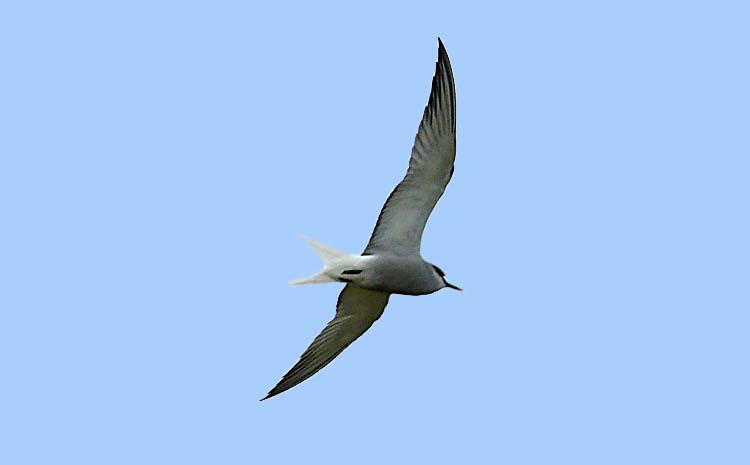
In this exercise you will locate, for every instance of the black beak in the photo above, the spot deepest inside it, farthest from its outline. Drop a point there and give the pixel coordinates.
(447, 284)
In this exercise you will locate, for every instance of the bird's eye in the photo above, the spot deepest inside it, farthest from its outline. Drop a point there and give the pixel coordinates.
(439, 271)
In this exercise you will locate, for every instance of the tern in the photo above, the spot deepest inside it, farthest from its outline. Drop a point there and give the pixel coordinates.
(391, 263)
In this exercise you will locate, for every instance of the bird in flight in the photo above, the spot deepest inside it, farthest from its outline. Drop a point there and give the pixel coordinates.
(391, 263)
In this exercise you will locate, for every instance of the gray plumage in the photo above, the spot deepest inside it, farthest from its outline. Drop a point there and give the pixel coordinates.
(356, 310)
(391, 263)
(404, 215)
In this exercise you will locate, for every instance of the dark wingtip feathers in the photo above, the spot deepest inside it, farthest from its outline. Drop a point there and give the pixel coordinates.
(441, 81)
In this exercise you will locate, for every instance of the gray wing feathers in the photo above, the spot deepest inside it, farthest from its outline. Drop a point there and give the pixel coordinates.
(403, 217)
(357, 309)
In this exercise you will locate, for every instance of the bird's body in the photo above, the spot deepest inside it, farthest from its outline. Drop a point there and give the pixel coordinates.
(415, 276)
(396, 274)
(391, 263)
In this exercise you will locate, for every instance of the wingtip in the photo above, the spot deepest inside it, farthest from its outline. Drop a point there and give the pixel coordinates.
(270, 394)
(442, 52)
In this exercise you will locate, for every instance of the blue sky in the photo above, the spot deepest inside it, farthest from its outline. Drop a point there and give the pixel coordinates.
(158, 163)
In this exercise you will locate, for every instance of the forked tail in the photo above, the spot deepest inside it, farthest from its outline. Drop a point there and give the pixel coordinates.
(328, 254)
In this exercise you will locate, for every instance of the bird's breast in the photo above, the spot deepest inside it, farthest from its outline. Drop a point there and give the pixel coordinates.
(397, 275)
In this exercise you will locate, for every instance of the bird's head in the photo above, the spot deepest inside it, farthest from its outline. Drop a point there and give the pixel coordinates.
(441, 275)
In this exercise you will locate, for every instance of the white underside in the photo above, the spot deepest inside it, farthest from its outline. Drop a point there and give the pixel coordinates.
(334, 262)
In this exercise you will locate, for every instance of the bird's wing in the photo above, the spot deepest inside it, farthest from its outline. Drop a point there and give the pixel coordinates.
(356, 310)
(403, 217)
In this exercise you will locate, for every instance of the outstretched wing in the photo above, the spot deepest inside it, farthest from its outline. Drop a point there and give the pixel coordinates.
(356, 310)
(404, 215)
